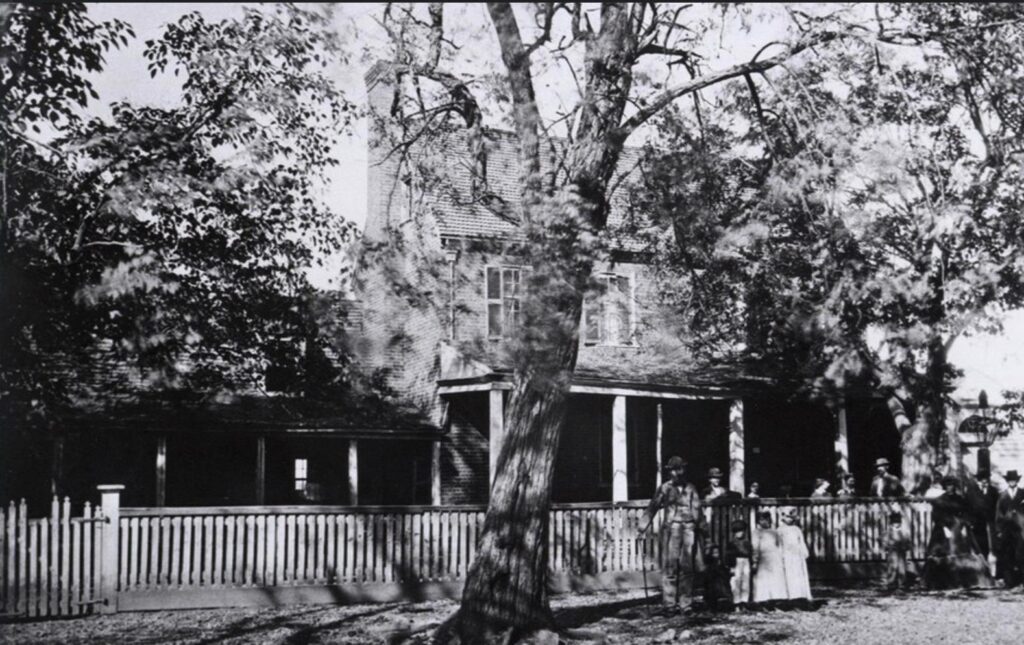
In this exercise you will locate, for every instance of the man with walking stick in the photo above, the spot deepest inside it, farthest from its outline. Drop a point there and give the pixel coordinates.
(684, 523)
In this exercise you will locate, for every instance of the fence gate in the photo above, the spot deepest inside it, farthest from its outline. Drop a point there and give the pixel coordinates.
(51, 566)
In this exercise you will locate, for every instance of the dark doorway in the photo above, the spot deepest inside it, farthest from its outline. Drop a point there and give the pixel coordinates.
(95, 457)
(583, 466)
(211, 469)
(788, 445)
(697, 431)
(307, 470)
(871, 433)
(394, 472)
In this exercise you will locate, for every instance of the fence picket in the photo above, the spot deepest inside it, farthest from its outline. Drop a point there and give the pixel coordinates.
(5, 597)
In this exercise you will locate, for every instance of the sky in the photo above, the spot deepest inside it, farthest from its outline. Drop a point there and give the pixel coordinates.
(992, 362)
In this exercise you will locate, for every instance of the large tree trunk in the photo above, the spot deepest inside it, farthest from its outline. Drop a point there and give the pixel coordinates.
(506, 591)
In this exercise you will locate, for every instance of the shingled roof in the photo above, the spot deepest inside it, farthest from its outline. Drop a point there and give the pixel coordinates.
(458, 215)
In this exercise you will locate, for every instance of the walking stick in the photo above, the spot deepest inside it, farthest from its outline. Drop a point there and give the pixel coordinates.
(643, 561)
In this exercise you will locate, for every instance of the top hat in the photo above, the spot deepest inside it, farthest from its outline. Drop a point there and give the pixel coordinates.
(1012, 475)
(714, 472)
(675, 462)
(881, 461)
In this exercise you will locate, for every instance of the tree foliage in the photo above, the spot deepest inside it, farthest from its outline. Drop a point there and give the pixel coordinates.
(862, 214)
(179, 229)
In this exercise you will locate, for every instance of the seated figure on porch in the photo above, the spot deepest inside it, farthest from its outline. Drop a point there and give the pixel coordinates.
(680, 536)
(954, 559)
(885, 484)
(714, 488)
(821, 487)
(755, 491)
(848, 487)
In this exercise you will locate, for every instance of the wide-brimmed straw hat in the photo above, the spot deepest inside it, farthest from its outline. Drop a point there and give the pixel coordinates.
(881, 461)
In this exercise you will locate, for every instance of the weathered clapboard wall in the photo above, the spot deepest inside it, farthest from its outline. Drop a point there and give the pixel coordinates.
(152, 558)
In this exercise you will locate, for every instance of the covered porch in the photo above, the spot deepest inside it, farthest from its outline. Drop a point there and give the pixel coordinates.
(617, 437)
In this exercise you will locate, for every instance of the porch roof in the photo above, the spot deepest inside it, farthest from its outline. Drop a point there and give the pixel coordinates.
(250, 413)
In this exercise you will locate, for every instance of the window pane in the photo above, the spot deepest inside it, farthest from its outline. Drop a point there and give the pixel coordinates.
(493, 283)
(511, 314)
(592, 323)
(494, 320)
(510, 283)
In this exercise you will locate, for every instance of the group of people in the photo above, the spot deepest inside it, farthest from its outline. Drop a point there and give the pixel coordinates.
(883, 484)
(768, 567)
(768, 564)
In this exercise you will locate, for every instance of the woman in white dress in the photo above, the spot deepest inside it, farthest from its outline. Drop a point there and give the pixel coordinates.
(794, 557)
(769, 581)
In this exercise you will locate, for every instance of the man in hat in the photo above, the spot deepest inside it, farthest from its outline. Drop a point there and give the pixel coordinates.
(821, 487)
(983, 498)
(683, 523)
(1010, 527)
(714, 488)
(885, 484)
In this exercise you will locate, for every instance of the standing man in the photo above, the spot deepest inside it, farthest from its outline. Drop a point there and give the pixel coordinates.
(1010, 526)
(885, 484)
(983, 498)
(683, 522)
(714, 488)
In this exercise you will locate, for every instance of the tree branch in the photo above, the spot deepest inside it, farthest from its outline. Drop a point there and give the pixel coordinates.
(668, 96)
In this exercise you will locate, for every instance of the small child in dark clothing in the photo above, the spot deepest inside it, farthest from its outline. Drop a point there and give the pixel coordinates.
(738, 553)
(717, 594)
(897, 544)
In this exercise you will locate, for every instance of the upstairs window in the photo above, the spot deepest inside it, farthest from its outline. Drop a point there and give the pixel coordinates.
(608, 319)
(503, 304)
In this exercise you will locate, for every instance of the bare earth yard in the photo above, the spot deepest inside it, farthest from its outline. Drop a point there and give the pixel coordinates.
(841, 616)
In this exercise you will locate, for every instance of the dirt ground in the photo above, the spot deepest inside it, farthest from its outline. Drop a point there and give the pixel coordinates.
(858, 617)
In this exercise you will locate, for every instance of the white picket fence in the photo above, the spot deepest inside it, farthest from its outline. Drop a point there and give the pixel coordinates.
(111, 558)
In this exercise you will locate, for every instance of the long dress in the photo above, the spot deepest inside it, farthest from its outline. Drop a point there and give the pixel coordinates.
(794, 562)
(954, 559)
(770, 576)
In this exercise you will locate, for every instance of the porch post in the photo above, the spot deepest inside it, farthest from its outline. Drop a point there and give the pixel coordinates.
(842, 446)
(261, 470)
(353, 472)
(620, 472)
(496, 429)
(657, 446)
(110, 505)
(57, 466)
(737, 481)
(161, 470)
(435, 473)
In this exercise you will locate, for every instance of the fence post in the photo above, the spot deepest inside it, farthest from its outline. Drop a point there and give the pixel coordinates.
(110, 503)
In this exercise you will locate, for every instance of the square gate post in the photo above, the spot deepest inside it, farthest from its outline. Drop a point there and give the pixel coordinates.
(110, 504)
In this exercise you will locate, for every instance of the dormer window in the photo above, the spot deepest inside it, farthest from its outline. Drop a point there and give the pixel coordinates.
(608, 319)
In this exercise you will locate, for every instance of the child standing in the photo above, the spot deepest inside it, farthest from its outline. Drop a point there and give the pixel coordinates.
(766, 561)
(794, 557)
(739, 552)
(897, 545)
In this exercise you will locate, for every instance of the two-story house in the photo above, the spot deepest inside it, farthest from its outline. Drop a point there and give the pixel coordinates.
(440, 295)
